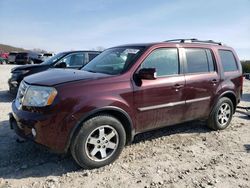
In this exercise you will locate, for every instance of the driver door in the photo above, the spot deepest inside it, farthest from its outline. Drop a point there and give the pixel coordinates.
(160, 102)
(74, 60)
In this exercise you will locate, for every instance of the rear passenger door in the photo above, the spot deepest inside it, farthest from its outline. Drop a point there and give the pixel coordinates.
(202, 81)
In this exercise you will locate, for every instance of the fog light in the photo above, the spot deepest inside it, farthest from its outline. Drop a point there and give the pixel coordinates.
(33, 132)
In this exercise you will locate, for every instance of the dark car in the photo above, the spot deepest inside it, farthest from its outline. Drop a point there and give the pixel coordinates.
(70, 59)
(12, 57)
(127, 90)
(28, 58)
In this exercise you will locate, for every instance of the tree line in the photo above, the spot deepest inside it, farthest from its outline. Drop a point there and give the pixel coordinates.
(246, 66)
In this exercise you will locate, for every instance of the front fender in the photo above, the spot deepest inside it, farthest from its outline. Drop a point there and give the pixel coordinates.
(75, 119)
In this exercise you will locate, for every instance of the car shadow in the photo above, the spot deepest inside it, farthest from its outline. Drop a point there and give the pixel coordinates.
(189, 127)
(244, 114)
(5, 96)
(27, 159)
(245, 97)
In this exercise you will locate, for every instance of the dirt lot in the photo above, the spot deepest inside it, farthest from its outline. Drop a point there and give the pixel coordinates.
(187, 155)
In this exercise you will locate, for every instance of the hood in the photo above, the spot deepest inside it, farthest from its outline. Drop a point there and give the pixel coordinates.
(58, 76)
(27, 67)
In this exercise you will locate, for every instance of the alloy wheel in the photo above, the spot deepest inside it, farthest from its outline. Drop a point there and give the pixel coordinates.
(102, 143)
(224, 114)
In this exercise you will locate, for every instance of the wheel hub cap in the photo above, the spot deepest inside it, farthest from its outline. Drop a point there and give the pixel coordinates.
(224, 114)
(102, 143)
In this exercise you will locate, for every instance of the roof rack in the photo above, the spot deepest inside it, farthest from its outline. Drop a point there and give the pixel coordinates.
(194, 40)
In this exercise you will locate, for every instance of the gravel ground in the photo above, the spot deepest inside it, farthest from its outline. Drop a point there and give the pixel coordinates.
(186, 155)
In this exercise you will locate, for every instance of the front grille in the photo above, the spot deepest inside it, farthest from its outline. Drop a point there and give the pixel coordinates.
(21, 92)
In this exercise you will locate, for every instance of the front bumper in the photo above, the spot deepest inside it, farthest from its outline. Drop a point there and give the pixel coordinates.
(47, 130)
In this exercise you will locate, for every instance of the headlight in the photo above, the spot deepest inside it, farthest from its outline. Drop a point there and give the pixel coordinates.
(39, 96)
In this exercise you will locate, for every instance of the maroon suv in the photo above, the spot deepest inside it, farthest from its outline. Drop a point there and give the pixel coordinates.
(127, 90)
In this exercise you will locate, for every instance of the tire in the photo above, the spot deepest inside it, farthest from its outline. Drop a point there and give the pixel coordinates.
(221, 115)
(99, 136)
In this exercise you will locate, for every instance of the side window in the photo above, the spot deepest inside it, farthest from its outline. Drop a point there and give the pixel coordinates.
(164, 60)
(92, 56)
(199, 60)
(74, 60)
(210, 59)
(228, 60)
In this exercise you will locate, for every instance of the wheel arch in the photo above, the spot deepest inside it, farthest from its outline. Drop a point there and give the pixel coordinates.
(116, 112)
(231, 95)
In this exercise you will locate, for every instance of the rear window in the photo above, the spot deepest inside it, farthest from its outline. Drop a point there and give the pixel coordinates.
(199, 60)
(228, 60)
(47, 54)
(22, 54)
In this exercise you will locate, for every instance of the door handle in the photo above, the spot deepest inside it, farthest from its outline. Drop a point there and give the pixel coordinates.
(178, 86)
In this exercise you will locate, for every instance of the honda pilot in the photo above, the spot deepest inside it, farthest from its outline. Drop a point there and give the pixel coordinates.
(94, 112)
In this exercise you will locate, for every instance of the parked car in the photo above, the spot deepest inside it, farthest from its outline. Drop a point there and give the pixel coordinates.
(12, 57)
(4, 55)
(3, 61)
(126, 90)
(28, 58)
(247, 76)
(70, 59)
(47, 55)
(4, 58)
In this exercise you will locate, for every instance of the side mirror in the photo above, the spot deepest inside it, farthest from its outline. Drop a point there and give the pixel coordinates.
(61, 65)
(147, 74)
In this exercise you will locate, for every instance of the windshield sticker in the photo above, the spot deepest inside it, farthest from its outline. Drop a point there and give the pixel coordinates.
(131, 51)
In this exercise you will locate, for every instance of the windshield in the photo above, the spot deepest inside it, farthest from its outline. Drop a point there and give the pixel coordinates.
(113, 61)
(54, 58)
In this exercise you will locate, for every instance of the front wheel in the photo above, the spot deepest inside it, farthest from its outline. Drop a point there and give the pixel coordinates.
(99, 142)
(221, 115)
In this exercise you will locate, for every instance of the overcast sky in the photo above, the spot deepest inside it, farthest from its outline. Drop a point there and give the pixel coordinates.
(58, 25)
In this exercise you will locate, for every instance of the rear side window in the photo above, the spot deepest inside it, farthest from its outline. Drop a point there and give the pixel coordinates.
(228, 60)
(92, 56)
(164, 60)
(199, 60)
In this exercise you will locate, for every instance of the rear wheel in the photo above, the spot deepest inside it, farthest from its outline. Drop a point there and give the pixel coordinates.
(99, 142)
(221, 115)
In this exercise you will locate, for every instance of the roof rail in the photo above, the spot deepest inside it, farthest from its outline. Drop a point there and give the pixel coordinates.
(194, 40)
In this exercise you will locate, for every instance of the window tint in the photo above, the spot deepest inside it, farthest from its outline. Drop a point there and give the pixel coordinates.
(228, 60)
(164, 60)
(199, 60)
(92, 56)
